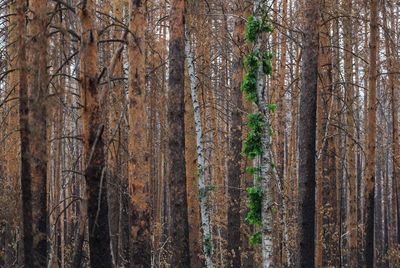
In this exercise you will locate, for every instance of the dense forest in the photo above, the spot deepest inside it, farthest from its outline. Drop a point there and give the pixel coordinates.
(199, 133)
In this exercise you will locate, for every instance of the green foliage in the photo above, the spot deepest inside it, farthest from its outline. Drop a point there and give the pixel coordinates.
(256, 122)
(253, 144)
(252, 61)
(271, 108)
(252, 170)
(249, 86)
(208, 244)
(256, 238)
(254, 203)
(255, 27)
(266, 62)
(250, 80)
(271, 131)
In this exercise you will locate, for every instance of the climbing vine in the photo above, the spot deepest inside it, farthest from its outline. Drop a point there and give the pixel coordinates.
(256, 123)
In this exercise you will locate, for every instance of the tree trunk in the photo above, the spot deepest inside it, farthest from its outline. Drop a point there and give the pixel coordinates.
(351, 230)
(176, 171)
(370, 138)
(234, 157)
(33, 153)
(93, 144)
(203, 193)
(307, 135)
(139, 184)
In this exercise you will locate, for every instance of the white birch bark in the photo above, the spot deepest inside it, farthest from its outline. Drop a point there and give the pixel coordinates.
(268, 172)
(203, 193)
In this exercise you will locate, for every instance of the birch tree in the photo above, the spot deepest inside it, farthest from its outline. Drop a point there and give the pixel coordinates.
(203, 189)
(259, 140)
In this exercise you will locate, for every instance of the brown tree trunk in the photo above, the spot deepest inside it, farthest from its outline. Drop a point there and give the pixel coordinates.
(176, 170)
(34, 153)
(234, 156)
(23, 122)
(370, 138)
(351, 230)
(93, 145)
(307, 135)
(139, 183)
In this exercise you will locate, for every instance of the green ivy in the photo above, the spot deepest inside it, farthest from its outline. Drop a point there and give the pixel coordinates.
(255, 27)
(253, 144)
(208, 244)
(254, 203)
(266, 62)
(256, 238)
(252, 170)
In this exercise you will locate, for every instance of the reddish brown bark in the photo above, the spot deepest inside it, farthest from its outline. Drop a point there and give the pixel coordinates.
(234, 157)
(34, 144)
(369, 183)
(139, 182)
(93, 144)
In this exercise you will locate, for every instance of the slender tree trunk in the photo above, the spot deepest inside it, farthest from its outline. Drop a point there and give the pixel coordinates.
(23, 122)
(93, 144)
(350, 137)
(139, 162)
(203, 190)
(176, 172)
(370, 138)
(307, 136)
(393, 67)
(195, 232)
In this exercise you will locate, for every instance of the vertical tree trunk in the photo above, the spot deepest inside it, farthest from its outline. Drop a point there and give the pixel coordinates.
(370, 138)
(350, 137)
(35, 174)
(176, 172)
(192, 172)
(307, 135)
(116, 132)
(93, 144)
(234, 158)
(203, 193)
(23, 123)
(393, 67)
(139, 183)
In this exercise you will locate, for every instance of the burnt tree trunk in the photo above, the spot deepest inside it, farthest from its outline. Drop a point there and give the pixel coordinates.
(176, 170)
(93, 144)
(307, 135)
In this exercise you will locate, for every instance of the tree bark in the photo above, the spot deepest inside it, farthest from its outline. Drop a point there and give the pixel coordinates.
(176, 170)
(139, 184)
(33, 149)
(351, 230)
(203, 193)
(93, 144)
(370, 138)
(307, 135)
(234, 157)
